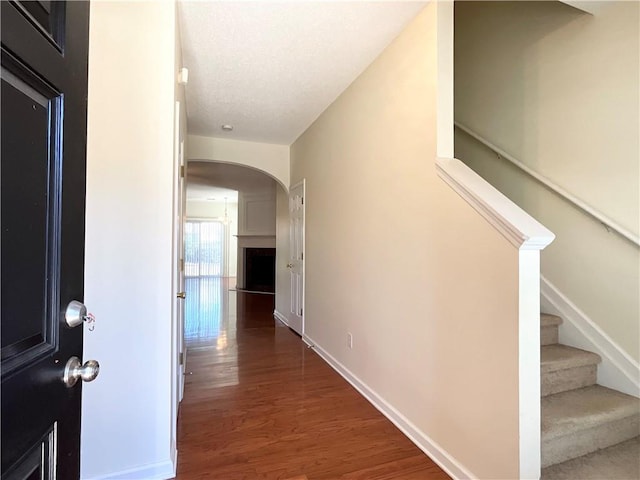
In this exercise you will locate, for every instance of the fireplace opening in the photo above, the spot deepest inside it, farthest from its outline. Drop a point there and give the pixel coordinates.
(260, 269)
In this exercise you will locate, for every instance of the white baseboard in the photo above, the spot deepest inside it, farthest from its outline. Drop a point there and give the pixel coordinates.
(281, 317)
(174, 459)
(419, 438)
(617, 370)
(155, 471)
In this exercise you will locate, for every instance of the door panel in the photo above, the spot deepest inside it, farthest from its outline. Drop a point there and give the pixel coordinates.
(39, 463)
(31, 233)
(47, 16)
(296, 257)
(43, 154)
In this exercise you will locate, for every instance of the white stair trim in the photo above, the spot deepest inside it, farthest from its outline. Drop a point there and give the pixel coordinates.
(529, 236)
(438, 454)
(618, 370)
(587, 6)
(521, 229)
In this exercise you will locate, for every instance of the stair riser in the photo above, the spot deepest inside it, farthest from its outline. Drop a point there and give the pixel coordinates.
(549, 335)
(561, 449)
(568, 379)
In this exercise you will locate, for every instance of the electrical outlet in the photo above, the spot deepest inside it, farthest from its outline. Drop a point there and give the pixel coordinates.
(349, 340)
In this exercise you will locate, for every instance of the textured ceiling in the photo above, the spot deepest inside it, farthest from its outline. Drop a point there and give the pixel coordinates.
(270, 68)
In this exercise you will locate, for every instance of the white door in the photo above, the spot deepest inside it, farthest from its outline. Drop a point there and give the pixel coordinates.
(179, 196)
(296, 256)
(182, 200)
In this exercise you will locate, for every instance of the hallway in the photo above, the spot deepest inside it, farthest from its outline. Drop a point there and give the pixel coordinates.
(259, 404)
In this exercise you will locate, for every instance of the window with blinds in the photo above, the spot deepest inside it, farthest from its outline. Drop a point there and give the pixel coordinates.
(203, 248)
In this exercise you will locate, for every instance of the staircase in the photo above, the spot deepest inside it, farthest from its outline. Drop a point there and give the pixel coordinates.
(588, 431)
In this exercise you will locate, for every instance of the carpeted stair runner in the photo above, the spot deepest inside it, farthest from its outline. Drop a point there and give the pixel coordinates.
(588, 431)
(620, 462)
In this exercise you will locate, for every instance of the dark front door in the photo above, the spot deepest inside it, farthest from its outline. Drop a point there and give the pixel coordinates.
(44, 111)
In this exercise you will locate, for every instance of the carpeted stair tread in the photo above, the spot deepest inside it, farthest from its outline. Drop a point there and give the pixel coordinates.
(588, 431)
(559, 357)
(548, 320)
(618, 462)
(549, 329)
(584, 408)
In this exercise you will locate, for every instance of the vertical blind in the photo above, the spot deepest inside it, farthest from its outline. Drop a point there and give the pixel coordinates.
(203, 268)
(203, 309)
(203, 248)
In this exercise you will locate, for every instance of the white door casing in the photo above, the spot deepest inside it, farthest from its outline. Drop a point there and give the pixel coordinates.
(182, 202)
(296, 256)
(178, 259)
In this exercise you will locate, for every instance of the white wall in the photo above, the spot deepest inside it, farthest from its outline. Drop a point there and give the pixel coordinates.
(126, 421)
(266, 157)
(256, 223)
(257, 212)
(215, 210)
(558, 90)
(426, 286)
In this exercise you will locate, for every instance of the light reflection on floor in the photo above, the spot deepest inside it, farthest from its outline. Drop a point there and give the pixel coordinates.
(210, 312)
(216, 321)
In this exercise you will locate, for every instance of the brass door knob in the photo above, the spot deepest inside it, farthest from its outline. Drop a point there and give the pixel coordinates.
(181, 294)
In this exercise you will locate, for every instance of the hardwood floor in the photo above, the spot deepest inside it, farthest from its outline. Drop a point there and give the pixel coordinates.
(259, 404)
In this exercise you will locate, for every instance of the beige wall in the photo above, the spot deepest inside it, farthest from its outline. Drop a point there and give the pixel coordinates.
(127, 422)
(558, 90)
(427, 288)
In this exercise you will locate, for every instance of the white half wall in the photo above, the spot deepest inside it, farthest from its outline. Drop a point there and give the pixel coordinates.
(428, 289)
(126, 417)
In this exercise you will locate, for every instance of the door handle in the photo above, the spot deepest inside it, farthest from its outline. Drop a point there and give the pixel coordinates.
(74, 371)
(181, 294)
(289, 265)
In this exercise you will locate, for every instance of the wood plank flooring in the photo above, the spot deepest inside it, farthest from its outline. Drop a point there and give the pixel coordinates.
(259, 404)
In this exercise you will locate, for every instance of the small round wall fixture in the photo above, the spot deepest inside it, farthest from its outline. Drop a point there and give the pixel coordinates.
(227, 128)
